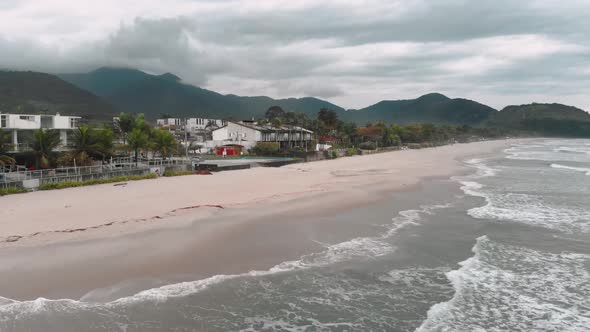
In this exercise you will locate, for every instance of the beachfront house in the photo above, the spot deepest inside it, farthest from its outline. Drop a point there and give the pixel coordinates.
(194, 129)
(248, 133)
(19, 123)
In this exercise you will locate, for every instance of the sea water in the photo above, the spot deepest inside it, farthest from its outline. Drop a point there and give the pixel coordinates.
(505, 248)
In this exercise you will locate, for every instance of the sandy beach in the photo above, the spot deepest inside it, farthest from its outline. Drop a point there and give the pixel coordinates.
(80, 239)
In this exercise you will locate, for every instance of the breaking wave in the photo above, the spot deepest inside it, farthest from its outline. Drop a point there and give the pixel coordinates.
(508, 288)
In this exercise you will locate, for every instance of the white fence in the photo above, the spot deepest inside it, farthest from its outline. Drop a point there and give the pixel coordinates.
(118, 167)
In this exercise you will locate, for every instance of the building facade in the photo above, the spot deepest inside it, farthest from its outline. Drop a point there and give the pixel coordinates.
(247, 134)
(25, 122)
(194, 129)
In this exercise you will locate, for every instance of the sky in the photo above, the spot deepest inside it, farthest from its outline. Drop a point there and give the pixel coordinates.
(351, 52)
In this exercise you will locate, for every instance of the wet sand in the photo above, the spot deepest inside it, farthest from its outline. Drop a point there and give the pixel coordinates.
(235, 222)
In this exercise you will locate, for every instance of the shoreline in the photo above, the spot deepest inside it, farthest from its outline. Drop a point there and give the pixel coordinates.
(319, 189)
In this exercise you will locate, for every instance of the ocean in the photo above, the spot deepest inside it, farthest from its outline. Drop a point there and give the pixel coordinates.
(505, 247)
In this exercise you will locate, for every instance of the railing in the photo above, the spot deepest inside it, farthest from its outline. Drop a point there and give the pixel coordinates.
(11, 177)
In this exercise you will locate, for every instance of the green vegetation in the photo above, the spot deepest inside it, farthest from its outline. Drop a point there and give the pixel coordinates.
(43, 145)
(139, 92)
(32, 93)
(265, 148)
(352, 152)
(72, 184)
(5, 144)
(368, 146)
(163, 143)
(543, 119)
(178, 173)
(12, 191)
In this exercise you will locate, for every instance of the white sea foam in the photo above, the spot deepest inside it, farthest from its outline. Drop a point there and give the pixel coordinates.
(577, 169)
(569, 149)
(358, 248)
(508, 288)
(483, 170)
(532, 210)
(576, 151)
(526, 208)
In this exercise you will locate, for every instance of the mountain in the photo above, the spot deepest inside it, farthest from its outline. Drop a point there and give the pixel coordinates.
(138, 92)
(432, 108)
(32, 92)
(544, 119)
(516, 114)
(135, 91)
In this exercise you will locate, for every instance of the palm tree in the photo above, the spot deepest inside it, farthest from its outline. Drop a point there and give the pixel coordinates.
(44, 143)
(126, 124)
(5, 144)
(163, 142)
(137, 140)
(104, 142)
(84, 145)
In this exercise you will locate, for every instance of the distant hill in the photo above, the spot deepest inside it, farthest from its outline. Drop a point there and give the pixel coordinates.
(516, 114)
(32, 92)
(433, 108)
(138, 92)
(544, 119)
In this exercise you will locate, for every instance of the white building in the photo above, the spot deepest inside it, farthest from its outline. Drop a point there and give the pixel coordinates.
(191, 124)
(247, 134)
(237, 133)
(21, 122)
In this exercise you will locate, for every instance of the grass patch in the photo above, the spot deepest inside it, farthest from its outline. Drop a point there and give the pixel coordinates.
(178, 173)
(352, 152)
(73, 184)
(12, 191)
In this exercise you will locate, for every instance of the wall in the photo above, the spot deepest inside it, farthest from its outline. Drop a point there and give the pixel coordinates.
(15, 122)
(237, 134)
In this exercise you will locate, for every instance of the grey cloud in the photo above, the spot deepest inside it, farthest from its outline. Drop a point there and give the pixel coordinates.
(321, 49)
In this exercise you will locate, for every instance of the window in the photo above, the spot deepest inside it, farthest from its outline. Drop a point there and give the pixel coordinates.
(3, 121)
(73, 123)
(27, 117)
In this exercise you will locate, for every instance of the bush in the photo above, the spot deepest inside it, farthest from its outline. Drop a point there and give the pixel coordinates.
(178, 173)
(334, 154)
(368, 146)
(11, 191)
(266, 148)
(73, 184)
(352, 152)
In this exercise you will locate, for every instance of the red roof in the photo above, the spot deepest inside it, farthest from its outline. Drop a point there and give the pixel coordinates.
(328, 139)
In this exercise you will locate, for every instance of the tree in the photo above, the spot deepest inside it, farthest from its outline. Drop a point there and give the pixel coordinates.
(274, 112)
(163, 142)
(104, 142)
(137, 140)
(328, 117)
(43, 145)
(277, 123)
(126, 123)
(5, 145)
(84, 145)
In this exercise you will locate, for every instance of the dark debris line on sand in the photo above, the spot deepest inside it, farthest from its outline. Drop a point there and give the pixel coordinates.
(16, 238)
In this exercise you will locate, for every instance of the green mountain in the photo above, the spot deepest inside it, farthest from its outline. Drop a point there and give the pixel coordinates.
(138, 92)
(32, 92)
(544, 119)
(430, 108)
(134, 91)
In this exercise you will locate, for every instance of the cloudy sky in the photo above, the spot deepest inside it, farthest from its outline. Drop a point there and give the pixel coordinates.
(351, 52)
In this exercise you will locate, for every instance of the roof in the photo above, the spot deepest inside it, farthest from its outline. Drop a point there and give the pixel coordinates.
(266, 128)
(19, 114)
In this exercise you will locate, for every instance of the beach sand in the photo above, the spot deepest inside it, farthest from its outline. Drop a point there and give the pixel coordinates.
(65, 243)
